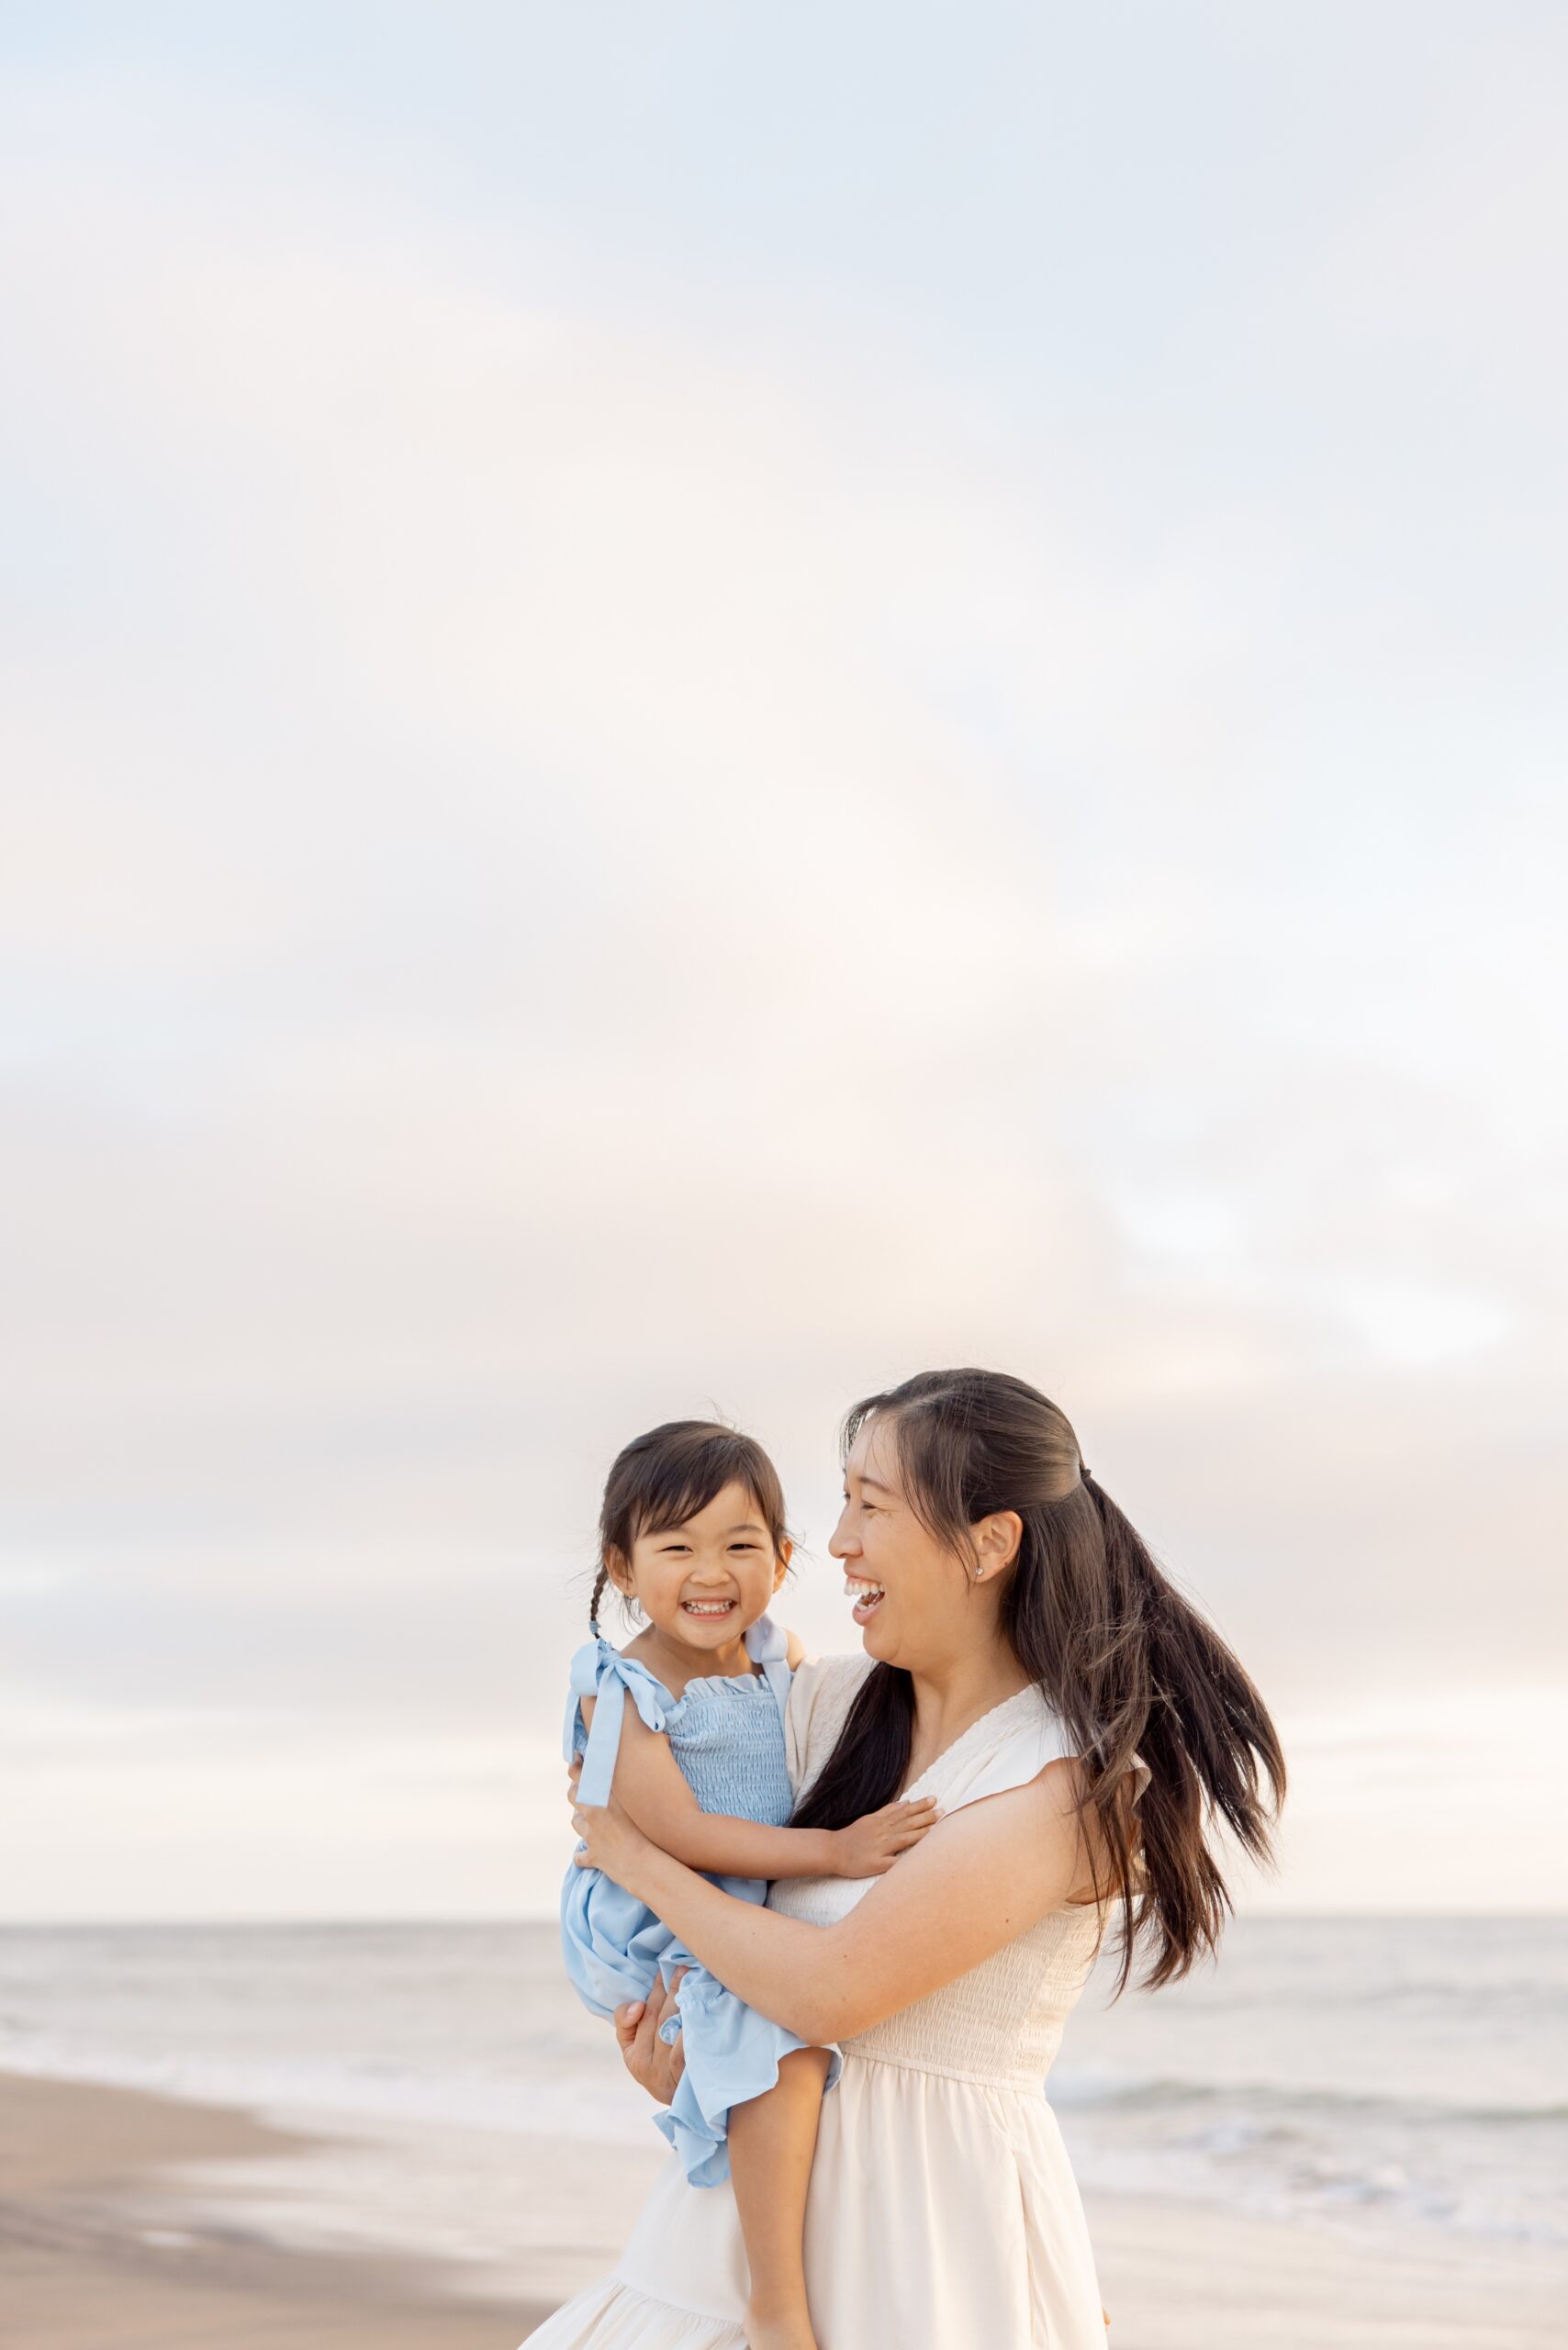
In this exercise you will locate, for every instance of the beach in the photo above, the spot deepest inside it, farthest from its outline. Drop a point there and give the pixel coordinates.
(100, 2251)
(119, 2233)
(1350, 2136)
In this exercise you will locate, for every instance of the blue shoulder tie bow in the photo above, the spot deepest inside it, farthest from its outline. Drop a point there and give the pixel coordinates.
(601, 1672)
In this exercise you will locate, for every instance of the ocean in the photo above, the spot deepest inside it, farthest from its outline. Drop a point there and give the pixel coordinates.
(1374, 2073)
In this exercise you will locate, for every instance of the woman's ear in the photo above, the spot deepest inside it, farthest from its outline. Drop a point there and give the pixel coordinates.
(786, 1552)
(996, 1539)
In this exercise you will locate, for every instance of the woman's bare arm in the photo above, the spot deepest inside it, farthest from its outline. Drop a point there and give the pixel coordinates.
(980, 1879)
(652, 1791)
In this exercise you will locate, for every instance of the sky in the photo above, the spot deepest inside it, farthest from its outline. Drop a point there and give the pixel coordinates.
(704, 705)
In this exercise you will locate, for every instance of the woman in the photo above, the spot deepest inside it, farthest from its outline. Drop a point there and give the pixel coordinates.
(1085, 1732)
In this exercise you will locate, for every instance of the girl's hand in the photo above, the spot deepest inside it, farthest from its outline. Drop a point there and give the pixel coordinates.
(869, 1846)
(611, 1842)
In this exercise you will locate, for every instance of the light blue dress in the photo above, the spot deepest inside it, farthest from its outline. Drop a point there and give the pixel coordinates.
(727, 1735)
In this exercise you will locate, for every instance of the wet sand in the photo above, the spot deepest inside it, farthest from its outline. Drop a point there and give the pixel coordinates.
(98, 2250)
(1180, 2278)
(107, 2243)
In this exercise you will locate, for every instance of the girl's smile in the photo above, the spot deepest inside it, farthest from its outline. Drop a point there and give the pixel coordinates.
(702, 1584)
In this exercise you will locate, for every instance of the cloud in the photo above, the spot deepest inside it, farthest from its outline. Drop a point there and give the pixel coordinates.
(574, 870)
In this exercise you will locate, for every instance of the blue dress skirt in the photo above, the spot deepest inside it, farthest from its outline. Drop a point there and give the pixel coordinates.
(727, 1735)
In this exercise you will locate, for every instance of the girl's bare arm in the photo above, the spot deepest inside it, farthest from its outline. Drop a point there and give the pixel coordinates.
(652, 1790)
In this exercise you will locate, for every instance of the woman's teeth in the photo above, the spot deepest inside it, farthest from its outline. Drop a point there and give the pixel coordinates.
(865, 1595)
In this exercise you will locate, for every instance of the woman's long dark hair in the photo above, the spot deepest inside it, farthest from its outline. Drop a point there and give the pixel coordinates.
(1132, 1669)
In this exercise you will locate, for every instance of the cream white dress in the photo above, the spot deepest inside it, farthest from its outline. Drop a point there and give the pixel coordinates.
(943, 2214)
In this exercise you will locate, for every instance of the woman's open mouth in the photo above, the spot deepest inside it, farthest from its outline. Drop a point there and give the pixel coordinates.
(709, 1611)
(867, 1597)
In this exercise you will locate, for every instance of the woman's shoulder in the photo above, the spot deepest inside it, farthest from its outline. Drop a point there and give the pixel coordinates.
(820, 1694)
(1010, 1747)
(1005, 1748)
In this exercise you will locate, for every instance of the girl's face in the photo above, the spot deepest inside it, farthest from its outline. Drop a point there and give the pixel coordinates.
(916, 1602)
(702, 1584)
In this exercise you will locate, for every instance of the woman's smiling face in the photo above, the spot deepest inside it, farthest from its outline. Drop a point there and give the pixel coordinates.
(913, 1596)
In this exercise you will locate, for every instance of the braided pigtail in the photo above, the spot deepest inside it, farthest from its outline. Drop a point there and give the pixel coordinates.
(601, 1582)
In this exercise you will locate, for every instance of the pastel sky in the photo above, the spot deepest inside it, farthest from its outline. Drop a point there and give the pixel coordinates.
(703, 704)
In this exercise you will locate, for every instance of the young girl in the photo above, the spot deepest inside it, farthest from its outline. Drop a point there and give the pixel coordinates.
(692, 1532)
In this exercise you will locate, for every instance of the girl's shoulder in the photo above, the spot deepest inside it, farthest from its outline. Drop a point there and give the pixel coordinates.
(598, 1664)
(820, 1694)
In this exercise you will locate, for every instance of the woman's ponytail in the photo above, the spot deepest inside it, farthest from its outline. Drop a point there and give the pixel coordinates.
(1191, 1713)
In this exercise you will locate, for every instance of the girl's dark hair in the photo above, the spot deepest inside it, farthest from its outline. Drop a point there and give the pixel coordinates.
(1132, 1669)
(662, 1479)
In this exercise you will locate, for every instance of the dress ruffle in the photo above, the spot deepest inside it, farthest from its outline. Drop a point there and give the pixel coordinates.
(612, 2316)
(731, 2055)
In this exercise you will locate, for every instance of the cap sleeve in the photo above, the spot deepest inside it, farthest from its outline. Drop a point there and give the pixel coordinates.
(1028, 1746)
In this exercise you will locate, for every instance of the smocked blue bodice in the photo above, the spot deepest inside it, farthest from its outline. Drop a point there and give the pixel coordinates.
(726, 1733)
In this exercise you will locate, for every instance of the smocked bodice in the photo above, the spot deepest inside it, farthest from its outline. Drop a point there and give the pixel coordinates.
(726, 1731)
(1002, 2021)
(729, 1741)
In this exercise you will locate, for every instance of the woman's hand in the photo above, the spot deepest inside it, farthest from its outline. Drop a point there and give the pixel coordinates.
(869, 1846)
(649, 2062)
(611, 1841)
